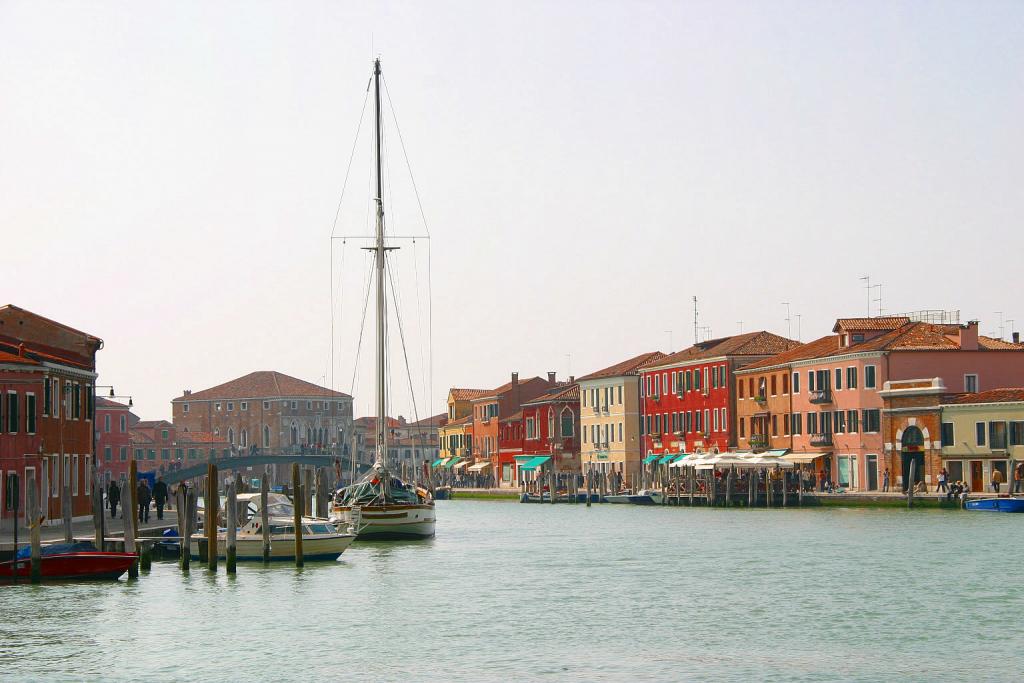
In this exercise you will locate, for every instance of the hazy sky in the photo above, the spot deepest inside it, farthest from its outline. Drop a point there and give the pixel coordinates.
(169, 175)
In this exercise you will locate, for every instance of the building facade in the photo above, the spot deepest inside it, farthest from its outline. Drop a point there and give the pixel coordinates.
(982, 433)
(610, 410)
(113, 424)
(551, 428)
(268, 411)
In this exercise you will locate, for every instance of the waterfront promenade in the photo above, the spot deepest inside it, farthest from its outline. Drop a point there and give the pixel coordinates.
(83, 528)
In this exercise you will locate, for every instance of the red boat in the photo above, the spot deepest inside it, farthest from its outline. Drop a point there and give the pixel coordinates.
(63, 561)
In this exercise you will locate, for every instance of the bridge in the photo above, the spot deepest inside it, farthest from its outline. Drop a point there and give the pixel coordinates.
(237, 462)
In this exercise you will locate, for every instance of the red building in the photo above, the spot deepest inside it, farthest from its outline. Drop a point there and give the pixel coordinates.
(47, 373)
(114, 422)
(551, 428)
(689, 398)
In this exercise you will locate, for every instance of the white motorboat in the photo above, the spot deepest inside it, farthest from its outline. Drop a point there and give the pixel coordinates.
(321, 538)
(641, 497)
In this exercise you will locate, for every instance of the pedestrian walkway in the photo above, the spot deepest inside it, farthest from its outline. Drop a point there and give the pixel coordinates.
(84, 529)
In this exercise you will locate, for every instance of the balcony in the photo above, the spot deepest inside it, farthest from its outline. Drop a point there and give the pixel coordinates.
(821, 439)
(759, 441)
(761, 398)
(820, 396)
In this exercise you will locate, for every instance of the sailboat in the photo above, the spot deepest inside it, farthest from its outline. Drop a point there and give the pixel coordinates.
(381, 506)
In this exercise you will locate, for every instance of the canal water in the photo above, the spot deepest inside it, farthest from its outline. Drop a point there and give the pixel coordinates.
(528, 592)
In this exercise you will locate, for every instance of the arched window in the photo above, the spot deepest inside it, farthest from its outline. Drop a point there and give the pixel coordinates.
(231, 436)
(295, 435)
(244, 437)
(912, 436)
(266, 436)
(551, 423)
(568, 423)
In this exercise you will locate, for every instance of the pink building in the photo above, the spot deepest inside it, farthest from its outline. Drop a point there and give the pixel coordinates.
(113, 424)
(837, 407)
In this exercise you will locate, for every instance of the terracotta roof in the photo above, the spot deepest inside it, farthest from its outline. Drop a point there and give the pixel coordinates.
(569, 393)
(370, 421)
(102, 402)
(14, 358)
(468, 419)
(1008, 395)
(514, 417)
(750, 344)
(888, 322)
(507, 386)
(815, 349)
(626, 367)
(152, 424)
(991, 344)
(263, 384)
(12, 307)
(927, 337)
(458, 394)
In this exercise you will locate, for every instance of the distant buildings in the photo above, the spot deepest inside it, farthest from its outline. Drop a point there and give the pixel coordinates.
(270, 411)
(113, 437)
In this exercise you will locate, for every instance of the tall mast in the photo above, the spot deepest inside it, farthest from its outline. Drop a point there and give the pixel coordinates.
(380, 251)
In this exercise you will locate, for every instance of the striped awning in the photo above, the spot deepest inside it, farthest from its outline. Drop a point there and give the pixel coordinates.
(480, 466)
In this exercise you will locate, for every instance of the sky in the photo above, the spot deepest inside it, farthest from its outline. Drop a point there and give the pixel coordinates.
(170, 175)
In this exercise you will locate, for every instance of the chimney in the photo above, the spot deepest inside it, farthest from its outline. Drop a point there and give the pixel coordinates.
(513, 393)
(572, 379)
(969, 336)
(1016, 337)
(551, 378)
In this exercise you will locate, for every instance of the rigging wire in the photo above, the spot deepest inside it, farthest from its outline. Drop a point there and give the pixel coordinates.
(408, 370)
(398, 128)
(362, 329)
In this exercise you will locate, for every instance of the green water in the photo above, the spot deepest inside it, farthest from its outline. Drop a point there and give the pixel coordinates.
(529, 592)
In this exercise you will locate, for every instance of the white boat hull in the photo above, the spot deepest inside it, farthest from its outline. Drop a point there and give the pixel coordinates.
(282, 548)
(387, 522)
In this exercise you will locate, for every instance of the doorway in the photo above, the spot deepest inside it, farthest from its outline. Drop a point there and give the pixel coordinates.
(844, 471)
(977, 476)
(872, 473)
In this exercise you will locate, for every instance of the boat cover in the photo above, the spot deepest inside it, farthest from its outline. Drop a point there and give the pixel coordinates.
(57, 549)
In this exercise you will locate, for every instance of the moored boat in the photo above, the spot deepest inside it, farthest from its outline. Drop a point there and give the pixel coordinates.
(68, 561)
(996, 504)
(641, 497)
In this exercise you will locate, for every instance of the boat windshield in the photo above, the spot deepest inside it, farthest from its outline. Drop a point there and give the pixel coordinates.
(321, 529)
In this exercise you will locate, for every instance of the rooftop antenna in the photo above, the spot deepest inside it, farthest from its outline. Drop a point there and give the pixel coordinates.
(1001, 325)
(695, 339)
(879, 299)
(740, 323)
(789, 321)
(867, 280)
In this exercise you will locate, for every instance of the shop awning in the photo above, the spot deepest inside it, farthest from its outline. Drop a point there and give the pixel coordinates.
(802, 458)
(450, 465)
(651, 458)
(524, 458)
(668, 458)
(438, 462)
(778, 452)
(480, 466)
(460, 464)
(533, 463)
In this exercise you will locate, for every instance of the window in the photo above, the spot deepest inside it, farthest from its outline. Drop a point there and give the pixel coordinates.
(90, 405)
(108, 454)
(979, 433)
(150, 454)
(657, 386)
(231, 406)
(178, 454)
(620, 394)
(30, 413)
(106, 423)
(743, 427)
(76, 401)
(184, 408)
(714, 378)
(785, 422)
(810, 380)
(796, 382)
(825, 421)
(216, 406)
(164, 434)
(851, 378)
(1017, 433)
(839, 420)
(674, 383)
(774, 387)
(657, 425)
(775, 425)
(706, 411)
(739, 389)
(165, 453)
(74, 475)
(191, 454)
(971, 383)
(123, 454)
(47, 397)
(852, 421)
(721, 376)
(12, 412)
(244, 437)
(723, 420)
(244, 405)
(138, 454)
(997, 436)
(266, 405)
(531, 428)
(812, 423)
(123, 424)
(797, 423)
(689, 380)
(839, 378)
(696, 380)
(266, 436)
(871, 418)
(620, 432)
(714, 414)
(705, 381)
(785, 383)
(869, 377)
(675, 422)
(948, 438)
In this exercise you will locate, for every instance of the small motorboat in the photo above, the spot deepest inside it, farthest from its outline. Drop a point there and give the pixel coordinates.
(321, 538)
(996, 504)
(641, 497)
(65, 561)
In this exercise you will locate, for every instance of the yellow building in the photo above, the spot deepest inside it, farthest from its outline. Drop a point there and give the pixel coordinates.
(456, 436)
(983, 433)
(610, 417)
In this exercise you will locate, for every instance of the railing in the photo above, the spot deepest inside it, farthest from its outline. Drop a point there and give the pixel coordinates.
(758, 440)
(820, 396)
(761, 398)
(821, 439)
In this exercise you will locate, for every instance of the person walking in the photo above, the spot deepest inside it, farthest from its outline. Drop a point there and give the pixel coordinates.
(997, 479)
(943, 475)
(113, 497)
(1018, 477)
(160, 496)
(144, 496)
(885, 480)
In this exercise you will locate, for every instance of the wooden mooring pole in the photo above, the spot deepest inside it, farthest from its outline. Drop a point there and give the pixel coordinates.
(230, 549)
(184, 546)
(910, 485)
(131, 519)
(34, 519)
(265, 517)
(210, 505)
(297, 508)
(97, 507)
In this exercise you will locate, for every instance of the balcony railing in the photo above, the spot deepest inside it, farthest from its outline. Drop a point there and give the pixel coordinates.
(758, 440)
(821, 439)
(761, 398)
(820, 396)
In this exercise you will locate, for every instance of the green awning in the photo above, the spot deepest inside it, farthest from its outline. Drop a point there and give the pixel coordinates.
(438, 462)
(452, 463)
(667, 458)
(651, 458)
(679, 456)
(533, 463)
(524, 458)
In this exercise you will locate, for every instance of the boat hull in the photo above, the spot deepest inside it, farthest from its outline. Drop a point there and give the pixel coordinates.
(89, 566)
(996, 505)
(282, 549)
(388, 522)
